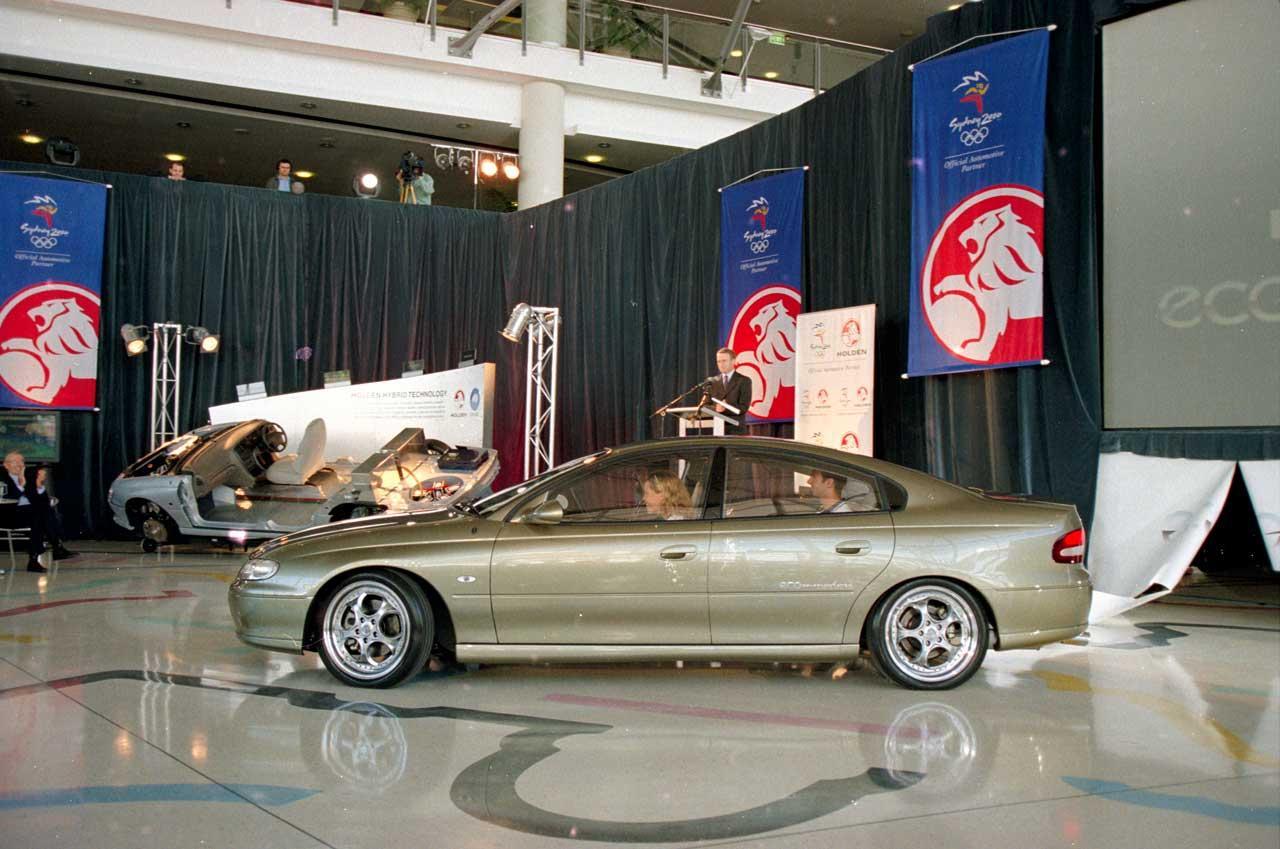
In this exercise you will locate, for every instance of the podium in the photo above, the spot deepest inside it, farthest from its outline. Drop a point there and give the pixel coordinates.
(695, 421)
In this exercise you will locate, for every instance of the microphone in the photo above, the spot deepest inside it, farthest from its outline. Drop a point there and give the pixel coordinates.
(712, 379)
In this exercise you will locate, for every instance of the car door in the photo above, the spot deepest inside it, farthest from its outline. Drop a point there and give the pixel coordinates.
(609, 571)
(785, 567)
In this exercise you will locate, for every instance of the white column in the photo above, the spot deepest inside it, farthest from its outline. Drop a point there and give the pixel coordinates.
(541, 143)
(545, 21)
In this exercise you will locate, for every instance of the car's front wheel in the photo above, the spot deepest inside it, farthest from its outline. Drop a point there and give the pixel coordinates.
(376, 630)
(929, 634)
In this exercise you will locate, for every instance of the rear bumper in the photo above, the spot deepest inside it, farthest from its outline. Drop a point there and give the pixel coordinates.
(1026, 618)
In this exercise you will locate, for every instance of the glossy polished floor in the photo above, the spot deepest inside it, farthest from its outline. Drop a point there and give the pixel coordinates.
(130, 716)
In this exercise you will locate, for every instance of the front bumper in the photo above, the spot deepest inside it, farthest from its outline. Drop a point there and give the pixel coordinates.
(268, 621)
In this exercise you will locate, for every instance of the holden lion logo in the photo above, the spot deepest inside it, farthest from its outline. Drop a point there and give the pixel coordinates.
(46, 237)
(851, 333)
(975, 85)
(50, 347)
(849, 442)
(764, 335)
(982, 283)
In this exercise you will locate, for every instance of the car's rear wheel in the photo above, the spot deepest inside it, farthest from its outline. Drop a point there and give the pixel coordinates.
(929, 634)
(376, 630)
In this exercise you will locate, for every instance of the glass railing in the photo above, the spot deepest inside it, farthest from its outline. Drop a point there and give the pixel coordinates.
(652, 33)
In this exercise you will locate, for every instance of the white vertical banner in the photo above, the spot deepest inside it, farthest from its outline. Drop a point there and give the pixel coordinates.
(835, 377)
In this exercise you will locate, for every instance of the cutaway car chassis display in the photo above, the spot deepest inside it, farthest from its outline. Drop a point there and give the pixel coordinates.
(213, 482)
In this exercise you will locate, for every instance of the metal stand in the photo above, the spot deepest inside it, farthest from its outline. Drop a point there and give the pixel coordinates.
(166, 384)
(540, 392)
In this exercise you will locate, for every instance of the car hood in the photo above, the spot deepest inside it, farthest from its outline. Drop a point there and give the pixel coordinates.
(387, 521)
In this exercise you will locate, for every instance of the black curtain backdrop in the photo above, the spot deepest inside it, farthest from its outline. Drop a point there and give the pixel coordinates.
(634, 266)
(301, 285)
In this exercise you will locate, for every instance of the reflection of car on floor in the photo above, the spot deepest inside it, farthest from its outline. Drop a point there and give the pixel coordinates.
(730, 548)
(230, 481)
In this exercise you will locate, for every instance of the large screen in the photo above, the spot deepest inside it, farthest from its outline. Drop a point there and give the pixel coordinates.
(1191, 216)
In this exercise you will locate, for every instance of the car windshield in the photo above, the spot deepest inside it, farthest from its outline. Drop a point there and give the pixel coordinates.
(500, 499)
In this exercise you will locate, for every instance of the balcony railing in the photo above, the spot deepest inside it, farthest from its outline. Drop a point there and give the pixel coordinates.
(650, 33)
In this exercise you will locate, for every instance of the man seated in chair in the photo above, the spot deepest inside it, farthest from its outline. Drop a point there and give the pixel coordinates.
(24, 503)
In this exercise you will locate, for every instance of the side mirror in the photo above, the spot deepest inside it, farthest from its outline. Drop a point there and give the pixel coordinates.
(546, 513)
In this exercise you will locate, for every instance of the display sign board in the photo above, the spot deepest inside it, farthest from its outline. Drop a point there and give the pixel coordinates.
(761, 263)
(835, 378)
(51, 237)
(453, 406)
(977, 208)
(32, 433)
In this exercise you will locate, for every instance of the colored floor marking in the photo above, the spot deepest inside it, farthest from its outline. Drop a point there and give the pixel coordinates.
(270, 795)
(730, 715)
(32, 608)
(188, 573)
(60, 586)
(1199, 729)
(225, 627)
(22, 639)
(1199, 805)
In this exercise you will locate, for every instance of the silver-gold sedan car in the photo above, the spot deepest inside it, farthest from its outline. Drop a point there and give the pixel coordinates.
(730, 548)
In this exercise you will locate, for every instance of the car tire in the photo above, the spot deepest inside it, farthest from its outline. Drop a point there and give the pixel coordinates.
(376, 629)
(155, 525)
(929, 634)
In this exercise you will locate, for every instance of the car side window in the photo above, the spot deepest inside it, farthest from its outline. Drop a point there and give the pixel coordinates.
(760, 485)
(670, 486)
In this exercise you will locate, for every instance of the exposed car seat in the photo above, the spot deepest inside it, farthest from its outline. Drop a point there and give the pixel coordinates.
(296, 468)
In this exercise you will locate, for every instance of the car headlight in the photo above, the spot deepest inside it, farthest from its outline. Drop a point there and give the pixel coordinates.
(258, 570)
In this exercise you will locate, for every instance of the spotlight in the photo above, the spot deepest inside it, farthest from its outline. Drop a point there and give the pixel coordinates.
(518, 322)
(62, 151)
(206, 341)
(510, 170)
(175, 157)
(31, 138)
(366, 185)
(593, 158)
(135, 338)
(488, 167)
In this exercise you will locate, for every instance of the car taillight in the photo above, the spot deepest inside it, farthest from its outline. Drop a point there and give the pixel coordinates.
(1070, 547)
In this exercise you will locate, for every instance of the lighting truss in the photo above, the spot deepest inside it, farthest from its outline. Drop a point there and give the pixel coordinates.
(166, 383)
(540, 390)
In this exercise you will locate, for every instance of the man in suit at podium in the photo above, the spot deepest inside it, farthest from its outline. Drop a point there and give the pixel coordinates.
(732, 388)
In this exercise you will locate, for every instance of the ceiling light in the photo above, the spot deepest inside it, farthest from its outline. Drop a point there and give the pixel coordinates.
(954, 6)
(735, 53)
(240, 131)
(604, 145)
(594, 158)
(510, 170)
(488, 167)
(307, 104)
(366, 185)
(770, 75)
(463, 125)
(304, 175)
(133, 81)
(327, 145)
(24, 101)
(175, 157)
(186, 125)
(31, 138)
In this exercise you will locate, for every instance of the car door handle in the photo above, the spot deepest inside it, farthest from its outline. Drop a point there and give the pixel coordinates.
(853, 546)
(678, 552)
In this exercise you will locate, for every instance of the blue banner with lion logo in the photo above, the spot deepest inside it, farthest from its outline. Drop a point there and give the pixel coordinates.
(51, 234)
(977, 208)
(761, 263)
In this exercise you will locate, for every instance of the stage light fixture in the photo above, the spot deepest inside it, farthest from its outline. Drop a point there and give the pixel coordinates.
(175, 157)
(519, 320)
(62, 151)
(770, 75)
(488, 166)
(510, 170)
(207, 342)
(304, 175)
(135, 338)
(366, 185)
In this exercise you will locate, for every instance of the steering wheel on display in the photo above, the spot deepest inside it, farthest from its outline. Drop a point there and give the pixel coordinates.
(274, 437)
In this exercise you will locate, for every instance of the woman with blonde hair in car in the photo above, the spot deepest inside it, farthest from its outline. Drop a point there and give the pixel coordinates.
(665, 496)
